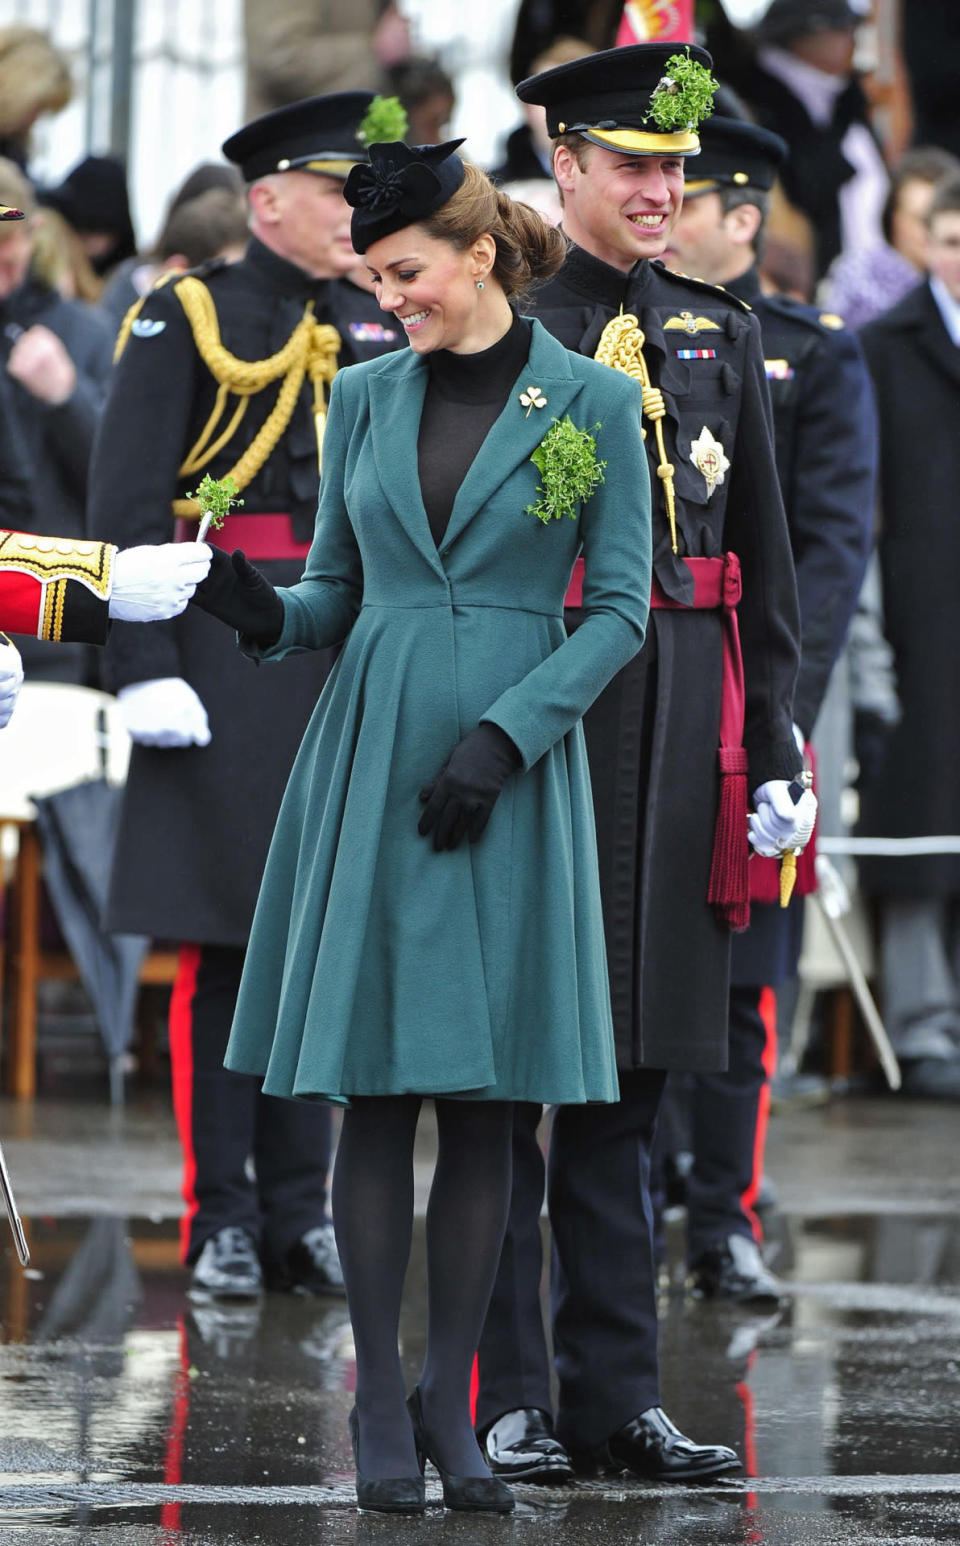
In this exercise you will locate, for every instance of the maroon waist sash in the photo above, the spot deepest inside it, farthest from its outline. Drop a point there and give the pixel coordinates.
(260, 536)
(717, 587)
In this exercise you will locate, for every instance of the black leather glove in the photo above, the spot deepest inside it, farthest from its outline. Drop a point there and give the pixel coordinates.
(238, 594)
(459, 801)
(871, 736)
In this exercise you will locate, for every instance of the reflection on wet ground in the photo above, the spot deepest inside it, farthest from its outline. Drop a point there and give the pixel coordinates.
(130, 1416)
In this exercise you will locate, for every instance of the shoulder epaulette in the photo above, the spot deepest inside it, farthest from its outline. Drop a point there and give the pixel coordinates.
(807, 316)
(703, 287)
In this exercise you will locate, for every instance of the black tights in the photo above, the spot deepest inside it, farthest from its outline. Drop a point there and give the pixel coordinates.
(372, 1201)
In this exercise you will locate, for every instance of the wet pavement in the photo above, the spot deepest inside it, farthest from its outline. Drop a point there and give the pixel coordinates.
(129, 1417)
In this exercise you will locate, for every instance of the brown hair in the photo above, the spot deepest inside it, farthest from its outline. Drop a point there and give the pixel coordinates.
(34, 79)
(528, 249)
(15, 189)
(201, 227)
(928, 164)
(946, 200)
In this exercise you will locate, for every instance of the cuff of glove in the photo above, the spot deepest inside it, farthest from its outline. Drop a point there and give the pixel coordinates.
(501, 743)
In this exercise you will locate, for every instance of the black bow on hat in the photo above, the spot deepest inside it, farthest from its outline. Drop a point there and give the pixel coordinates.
(400, 185)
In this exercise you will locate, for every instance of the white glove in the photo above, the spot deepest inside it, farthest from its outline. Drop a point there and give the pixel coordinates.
(11, 680)
(164, 712)
(777, 824)
(151, 583)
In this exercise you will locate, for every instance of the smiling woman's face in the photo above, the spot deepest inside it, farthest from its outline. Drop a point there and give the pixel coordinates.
(430, 287)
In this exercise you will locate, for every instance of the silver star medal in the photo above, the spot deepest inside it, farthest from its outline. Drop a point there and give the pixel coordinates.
(709, 457)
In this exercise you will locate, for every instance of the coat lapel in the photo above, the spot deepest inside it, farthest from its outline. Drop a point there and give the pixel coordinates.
(516, 434)
(396, 403)
(933, 337)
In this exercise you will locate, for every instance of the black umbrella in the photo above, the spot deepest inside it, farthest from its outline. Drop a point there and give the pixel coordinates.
(77, 830)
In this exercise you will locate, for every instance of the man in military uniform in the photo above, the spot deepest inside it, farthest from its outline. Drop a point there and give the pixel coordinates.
(826, 445)
(55, 588)
(225, 371)
(662, 792)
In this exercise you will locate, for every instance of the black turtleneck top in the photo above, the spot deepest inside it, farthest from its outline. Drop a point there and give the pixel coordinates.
(465, 395)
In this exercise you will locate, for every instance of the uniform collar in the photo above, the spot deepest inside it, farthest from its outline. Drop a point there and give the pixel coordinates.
(283, 276)
(599, 282)
(746, 286)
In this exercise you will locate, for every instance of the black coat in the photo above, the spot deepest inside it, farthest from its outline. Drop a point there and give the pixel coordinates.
(916, 373)
(652, 735)
(826, 444)
(197, 822)
(56, 441)
(816, 168)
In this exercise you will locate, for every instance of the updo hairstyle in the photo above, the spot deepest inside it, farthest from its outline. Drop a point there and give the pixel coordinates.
(528, 249)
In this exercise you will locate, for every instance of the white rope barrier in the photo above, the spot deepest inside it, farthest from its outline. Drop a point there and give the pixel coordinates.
(887, 847)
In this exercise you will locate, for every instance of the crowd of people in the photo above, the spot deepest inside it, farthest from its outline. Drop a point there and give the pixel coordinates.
(467, 843)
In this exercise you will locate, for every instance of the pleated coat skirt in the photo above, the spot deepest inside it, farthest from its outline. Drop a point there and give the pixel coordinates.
(377, 966)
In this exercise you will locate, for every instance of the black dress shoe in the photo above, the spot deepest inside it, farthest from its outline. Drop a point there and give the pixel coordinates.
(227, 1268)
(651, 1447)
(735, 1270)
(311, 1266)
(464, 1494)
(521, 1447)
(389, 1494)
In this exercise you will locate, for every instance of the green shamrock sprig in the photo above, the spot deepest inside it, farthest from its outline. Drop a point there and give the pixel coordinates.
(216, 498)
(684, 97)
(566, 459)
(384, 122)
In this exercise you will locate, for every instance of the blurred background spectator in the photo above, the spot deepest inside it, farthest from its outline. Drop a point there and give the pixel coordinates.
(211, 224)
(34, 79)
(871, 277)
(301, 48)
(57, 354)
(93, 200)
(426, 92)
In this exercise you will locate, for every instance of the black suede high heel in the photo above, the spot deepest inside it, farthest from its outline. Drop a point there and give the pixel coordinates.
(391, 1494)
(478, 1494)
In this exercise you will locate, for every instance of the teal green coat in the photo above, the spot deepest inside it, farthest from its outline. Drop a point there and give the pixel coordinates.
(377, 966)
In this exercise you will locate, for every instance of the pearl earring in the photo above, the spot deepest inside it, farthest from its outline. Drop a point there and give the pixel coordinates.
(479, 284)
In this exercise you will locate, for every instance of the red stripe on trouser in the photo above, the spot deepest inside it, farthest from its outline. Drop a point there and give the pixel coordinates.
(181, 1074)
(176, 1434)
(474, 1389)
(768, 1014)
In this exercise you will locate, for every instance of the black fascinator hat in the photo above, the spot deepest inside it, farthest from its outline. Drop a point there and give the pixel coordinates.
(401, 185)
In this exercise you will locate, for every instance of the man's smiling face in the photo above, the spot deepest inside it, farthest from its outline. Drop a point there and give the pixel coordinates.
(619, 208)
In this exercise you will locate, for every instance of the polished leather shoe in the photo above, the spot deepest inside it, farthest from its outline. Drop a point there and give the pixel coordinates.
(227, 1268)
(734, 1270)
(521, 1447)
(651, 1447)
(311, 1266)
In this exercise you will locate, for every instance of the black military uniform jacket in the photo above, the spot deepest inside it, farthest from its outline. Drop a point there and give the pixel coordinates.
(652, 735)
(825, 429)
(197, 822)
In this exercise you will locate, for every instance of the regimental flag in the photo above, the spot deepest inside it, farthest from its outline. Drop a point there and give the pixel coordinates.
(656, 21)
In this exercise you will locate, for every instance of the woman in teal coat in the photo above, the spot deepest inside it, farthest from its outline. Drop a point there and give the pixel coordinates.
(390, 959)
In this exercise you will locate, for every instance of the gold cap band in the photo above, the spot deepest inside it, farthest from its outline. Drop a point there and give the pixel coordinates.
(636, 143)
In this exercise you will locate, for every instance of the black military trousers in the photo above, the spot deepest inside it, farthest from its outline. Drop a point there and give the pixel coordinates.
(724, 1117)
(603, 1278)
(226, 1124)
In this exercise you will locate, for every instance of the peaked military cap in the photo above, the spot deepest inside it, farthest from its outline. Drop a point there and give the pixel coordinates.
(735, 154)
(401, 185)
(319, 134)
(607, 98)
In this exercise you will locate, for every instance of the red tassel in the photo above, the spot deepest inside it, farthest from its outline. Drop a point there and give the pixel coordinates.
(729, 888)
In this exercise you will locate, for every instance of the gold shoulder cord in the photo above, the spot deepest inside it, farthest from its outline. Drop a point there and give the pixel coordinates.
(621, 347)
(312, 349)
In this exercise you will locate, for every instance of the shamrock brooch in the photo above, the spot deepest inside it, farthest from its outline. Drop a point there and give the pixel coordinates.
(532, 397)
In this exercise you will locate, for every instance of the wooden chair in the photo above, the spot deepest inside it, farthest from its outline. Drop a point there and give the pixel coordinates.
(59, 735)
